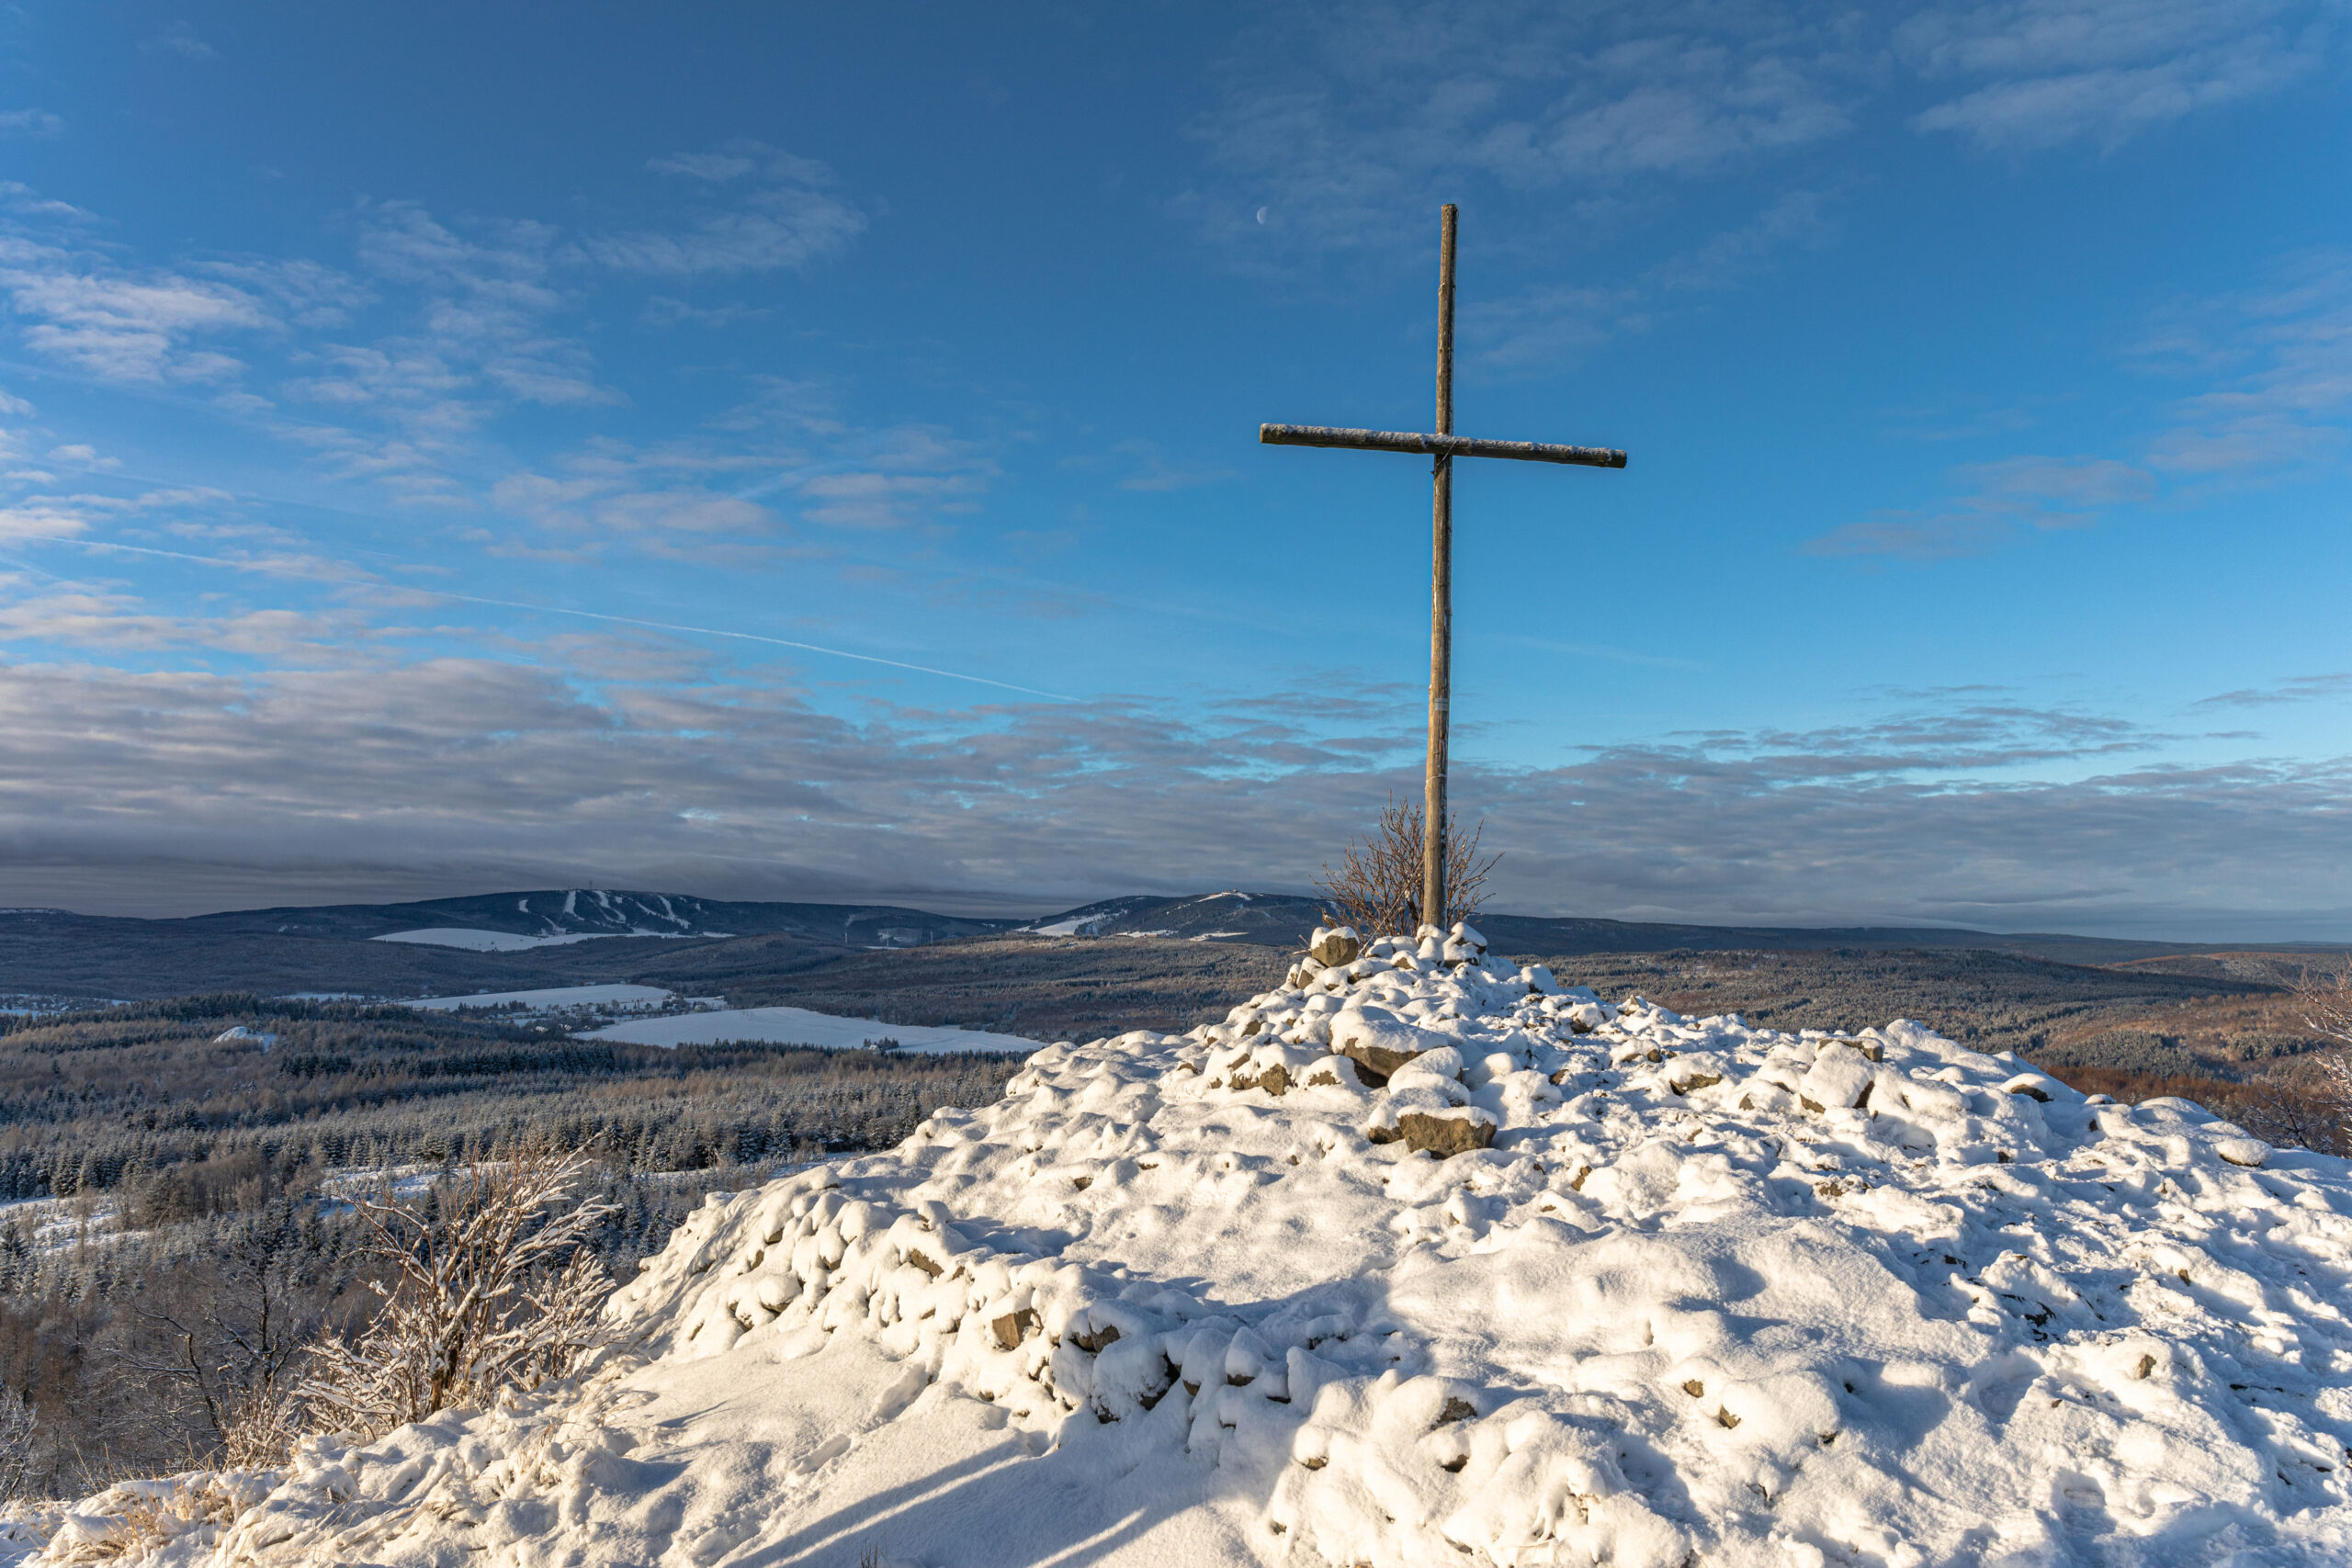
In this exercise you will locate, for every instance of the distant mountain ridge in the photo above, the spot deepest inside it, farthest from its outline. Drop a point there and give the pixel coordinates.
(1286, 920)
(1276, 919)
(583, 911)
(534, 939)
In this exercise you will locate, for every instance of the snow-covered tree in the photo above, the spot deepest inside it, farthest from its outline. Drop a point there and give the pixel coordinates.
(491, 1285)
(17, 1432)
(2325, 996)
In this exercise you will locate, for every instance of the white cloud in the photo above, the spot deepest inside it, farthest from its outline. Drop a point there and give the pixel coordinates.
(1340, 120)
(788, 456)
(787, 218)
(82, 455)
(499, 773)
(21, 201)
(715, 167)
(73, 516)
(2075, 481)
(44, 517)
(662, 310)
(2275, 366)
(178, 38)
(303, 293)
(785, 228)
(2279, 359)
(1549, 326)
(1145, 466)
(468, 319)
(1337, 125)
(582, 511)
(479, 338)
(2297, 689)
(84, 618)
(2000, 503)
(2064, 71)
(119, 326)
(1915, 535)
(38, 124)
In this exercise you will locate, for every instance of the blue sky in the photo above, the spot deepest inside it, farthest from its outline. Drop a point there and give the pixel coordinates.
(417, 417)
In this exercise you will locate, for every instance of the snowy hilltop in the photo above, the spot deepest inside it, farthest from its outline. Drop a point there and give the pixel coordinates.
(1419, 1259)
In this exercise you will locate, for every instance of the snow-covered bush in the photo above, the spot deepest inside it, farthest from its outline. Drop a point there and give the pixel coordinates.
(141, 1522)
(500, 1290)
(2325, 999)
(258, 1428)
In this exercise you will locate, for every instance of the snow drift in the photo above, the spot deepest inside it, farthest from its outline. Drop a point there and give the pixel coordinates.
(1689, 1292)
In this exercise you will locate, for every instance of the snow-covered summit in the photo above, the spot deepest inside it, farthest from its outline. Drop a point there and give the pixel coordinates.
(1708, 1294)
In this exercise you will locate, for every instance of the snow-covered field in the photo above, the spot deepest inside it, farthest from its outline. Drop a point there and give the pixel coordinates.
(61, 1225)
(616, 997)
(799, 1026)
(1712, 1295)
(712, 1021)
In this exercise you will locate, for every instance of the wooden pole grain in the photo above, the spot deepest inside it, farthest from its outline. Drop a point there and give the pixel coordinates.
(1430, 446)
(1440, 595)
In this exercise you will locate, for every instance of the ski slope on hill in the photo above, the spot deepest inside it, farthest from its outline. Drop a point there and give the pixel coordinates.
(1708, 1294)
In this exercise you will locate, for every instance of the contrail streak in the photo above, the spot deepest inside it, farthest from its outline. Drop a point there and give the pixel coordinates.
(275, 570)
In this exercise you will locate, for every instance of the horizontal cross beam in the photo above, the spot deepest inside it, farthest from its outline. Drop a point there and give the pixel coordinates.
(1437, 446)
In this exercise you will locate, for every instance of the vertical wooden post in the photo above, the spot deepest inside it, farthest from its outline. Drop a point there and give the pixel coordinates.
(1440, 595)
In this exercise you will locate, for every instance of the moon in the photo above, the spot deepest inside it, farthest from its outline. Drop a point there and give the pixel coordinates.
(1262, 215)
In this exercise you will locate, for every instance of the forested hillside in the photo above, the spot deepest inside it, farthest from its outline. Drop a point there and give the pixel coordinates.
(176, 1170)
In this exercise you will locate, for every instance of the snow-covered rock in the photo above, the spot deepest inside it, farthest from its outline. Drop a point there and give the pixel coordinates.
(1713, 1294)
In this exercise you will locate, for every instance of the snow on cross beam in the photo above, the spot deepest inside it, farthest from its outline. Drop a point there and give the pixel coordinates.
(1443, 447)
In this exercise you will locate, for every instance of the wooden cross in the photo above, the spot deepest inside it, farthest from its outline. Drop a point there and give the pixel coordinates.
(1443, 447)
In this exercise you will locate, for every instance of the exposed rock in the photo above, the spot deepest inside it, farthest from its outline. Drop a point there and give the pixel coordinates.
(1443, 1136)
(2243, 1151)
(1336, 945)
(1376, 1039)
(1013, 1327)
(1839, 1077)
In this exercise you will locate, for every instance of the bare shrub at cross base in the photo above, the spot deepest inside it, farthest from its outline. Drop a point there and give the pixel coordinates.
(1378, 886)
(498, 1290)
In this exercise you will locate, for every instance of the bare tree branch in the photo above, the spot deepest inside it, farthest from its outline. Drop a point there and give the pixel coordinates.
(2325, 996)
(1378, 888)
(501, 1291)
